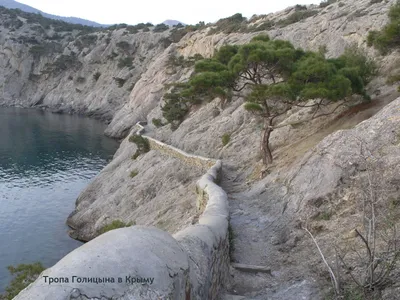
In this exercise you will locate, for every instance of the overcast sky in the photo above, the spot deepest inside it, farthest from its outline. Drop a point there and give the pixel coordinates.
(156, 11)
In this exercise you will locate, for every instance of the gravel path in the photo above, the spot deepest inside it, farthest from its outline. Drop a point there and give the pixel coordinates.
(263, 236)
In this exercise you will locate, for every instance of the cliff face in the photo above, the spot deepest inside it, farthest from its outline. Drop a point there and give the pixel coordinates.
(67, 69)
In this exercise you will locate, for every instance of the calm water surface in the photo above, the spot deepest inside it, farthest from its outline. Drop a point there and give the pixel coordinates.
(46, 160)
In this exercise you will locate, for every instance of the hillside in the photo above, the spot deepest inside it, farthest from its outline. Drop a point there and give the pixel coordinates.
(11, 4)
(319, 173)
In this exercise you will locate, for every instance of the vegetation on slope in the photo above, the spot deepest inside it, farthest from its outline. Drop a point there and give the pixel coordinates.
(116, 224)
(273, 77)
(389, 37)
(142, 144)
(45, 23)
(24, 276)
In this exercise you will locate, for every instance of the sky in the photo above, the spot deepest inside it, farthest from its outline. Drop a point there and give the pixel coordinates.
(157, 11)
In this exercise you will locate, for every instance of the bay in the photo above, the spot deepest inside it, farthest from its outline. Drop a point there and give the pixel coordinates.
(46, 160)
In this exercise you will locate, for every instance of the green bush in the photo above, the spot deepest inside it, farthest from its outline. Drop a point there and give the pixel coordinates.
(356, 66)
(157, 122)
(38, 50)
(63, 63)
(43, 22)
(326, 3)
(226, 138)
(142, 144)
(160, 28)
(80, 80)
(85, 41)
(296, 17)
(176, 105)
(389, 37)
(134, 173)
(125, 62)
(123, 45)
(115, 225)
(235, 23)
(393, 79)
(300, 7)
(44, 49)
(24, 276)
(267, 25)
(119, 81)
(96, 76)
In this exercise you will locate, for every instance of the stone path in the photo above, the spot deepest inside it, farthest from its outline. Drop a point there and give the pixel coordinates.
(262, 266)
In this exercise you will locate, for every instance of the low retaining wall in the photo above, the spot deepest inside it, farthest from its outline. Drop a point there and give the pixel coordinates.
(193, 160)
(145, 262)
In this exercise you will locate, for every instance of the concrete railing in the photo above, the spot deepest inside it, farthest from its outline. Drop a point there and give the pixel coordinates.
(194, 160)
(145, 262)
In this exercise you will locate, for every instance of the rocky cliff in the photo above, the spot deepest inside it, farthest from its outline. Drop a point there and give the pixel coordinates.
(71, 68)
(317, 170)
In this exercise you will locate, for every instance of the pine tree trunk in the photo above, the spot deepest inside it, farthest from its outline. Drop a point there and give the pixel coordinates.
(265, 149)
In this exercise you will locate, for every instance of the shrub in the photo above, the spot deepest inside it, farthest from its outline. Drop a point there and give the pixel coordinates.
(235, 23)
(43, 49)
(134, 173)
(146, 29)
(160, 28)
(133, 29)
(80, 79)
(326, 3)
(37, 51)
(85, 41)
(115, 225)
(393, 78)
(24, 276)
(96, 76)
(112, 55)
(296, 17)
(388, 37)
(142, 144)
(130, 88)
(125, 62)
(119, 81)
(63, 63)
(267, 25)
(176, 105)
(157, 122)
(300, 7)
(226, 138)
(123, 45)
(357, 67)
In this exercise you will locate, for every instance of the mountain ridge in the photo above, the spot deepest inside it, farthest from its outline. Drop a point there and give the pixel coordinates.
(11, 4)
